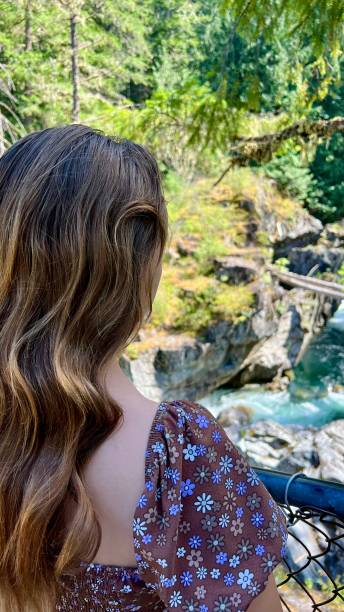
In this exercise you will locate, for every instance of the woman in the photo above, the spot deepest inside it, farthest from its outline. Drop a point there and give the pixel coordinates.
(108, 501)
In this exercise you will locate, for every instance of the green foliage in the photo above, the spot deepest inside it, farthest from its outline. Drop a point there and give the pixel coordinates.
(327, 165)
(293, 177)
(321, 21)
(340, 274)
(328, 170)
(185, 77)
(213, 303)
(186, 303)
(282, 263)
(113, 51)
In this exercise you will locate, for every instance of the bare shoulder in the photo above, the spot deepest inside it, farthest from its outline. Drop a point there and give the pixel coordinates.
(114, 479)
(119, 460)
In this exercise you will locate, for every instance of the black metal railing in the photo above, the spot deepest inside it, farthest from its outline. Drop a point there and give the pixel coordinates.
(311, 576)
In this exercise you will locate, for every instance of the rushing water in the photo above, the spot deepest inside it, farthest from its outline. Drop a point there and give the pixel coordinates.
(311, 398)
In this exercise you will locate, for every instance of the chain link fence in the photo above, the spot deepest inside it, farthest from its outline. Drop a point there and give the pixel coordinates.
(311, 576)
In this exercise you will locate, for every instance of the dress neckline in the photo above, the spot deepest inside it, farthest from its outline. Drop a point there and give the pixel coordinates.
(153, 433)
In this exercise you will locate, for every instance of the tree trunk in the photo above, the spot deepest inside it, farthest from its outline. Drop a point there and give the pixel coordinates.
(28, 28)
(75, 69)
(2, 143)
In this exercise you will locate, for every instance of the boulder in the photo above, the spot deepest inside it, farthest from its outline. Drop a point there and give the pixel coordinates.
(301, 314)
(187, 245)
(235, 270)
(278, 352)
(318, 452)
(182, 366)
(285, 231)
(334, 233)
(318, 257)
(259, 348)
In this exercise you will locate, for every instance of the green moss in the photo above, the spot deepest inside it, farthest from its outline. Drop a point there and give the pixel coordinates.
(210, 223)
(340, 274)
(132, 350)
(189, 303)
(135, 349)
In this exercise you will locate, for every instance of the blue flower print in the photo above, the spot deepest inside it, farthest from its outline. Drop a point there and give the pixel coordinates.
(221, 558)
(226, 464)
(206, 532)
(189, 417)
(173, 474)
(204, 502)
(257, 519)
(142, 501)
(245, 578)
(190, 452)
(216, 477)
(252, 477)
(175, 599)
(224, 520)
(187, 487)
(186, 578)
(147, 538)
(215, 573)
(139, 526)
(201, 572)
(195, 541)
(201, 450)
(158, 448)
(229, 483)
(234, 560)
(202, 421)
(216, 436)
(229, 579)
(241, 488)
(174, 509)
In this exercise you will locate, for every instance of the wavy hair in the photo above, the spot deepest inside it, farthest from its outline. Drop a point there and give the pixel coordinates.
(81, 218)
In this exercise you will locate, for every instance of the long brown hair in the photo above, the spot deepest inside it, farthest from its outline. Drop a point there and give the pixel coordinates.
(81, 217)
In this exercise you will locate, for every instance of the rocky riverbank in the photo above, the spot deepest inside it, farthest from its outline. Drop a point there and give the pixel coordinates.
(318, 452)
(268, 340)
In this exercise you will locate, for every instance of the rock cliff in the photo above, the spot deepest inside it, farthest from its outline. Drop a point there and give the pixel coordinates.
(265, 341)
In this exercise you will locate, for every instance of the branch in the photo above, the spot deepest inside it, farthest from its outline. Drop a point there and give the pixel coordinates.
(262, 148)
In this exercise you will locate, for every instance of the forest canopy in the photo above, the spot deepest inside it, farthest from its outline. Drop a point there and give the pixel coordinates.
(207, 85)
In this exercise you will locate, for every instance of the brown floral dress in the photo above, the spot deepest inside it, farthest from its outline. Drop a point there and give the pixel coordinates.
(206, 531)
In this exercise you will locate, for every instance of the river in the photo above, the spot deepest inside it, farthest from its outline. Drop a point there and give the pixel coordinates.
(310, 398)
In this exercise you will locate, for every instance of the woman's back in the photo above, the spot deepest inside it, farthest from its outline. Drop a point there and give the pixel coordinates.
(207, 534)
(114, 479)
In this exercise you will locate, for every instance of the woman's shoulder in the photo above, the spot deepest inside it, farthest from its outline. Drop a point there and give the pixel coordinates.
(184, 414)
(205, 525)
(188, 426)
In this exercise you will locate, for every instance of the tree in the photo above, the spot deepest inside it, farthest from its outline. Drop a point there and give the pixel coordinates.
(327, 166)
(73, 8)
(72, 51)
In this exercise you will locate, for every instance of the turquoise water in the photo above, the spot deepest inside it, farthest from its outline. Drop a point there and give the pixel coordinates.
(310, 398)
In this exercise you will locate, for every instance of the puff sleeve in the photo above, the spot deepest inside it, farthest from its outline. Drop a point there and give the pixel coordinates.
(207, 533)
